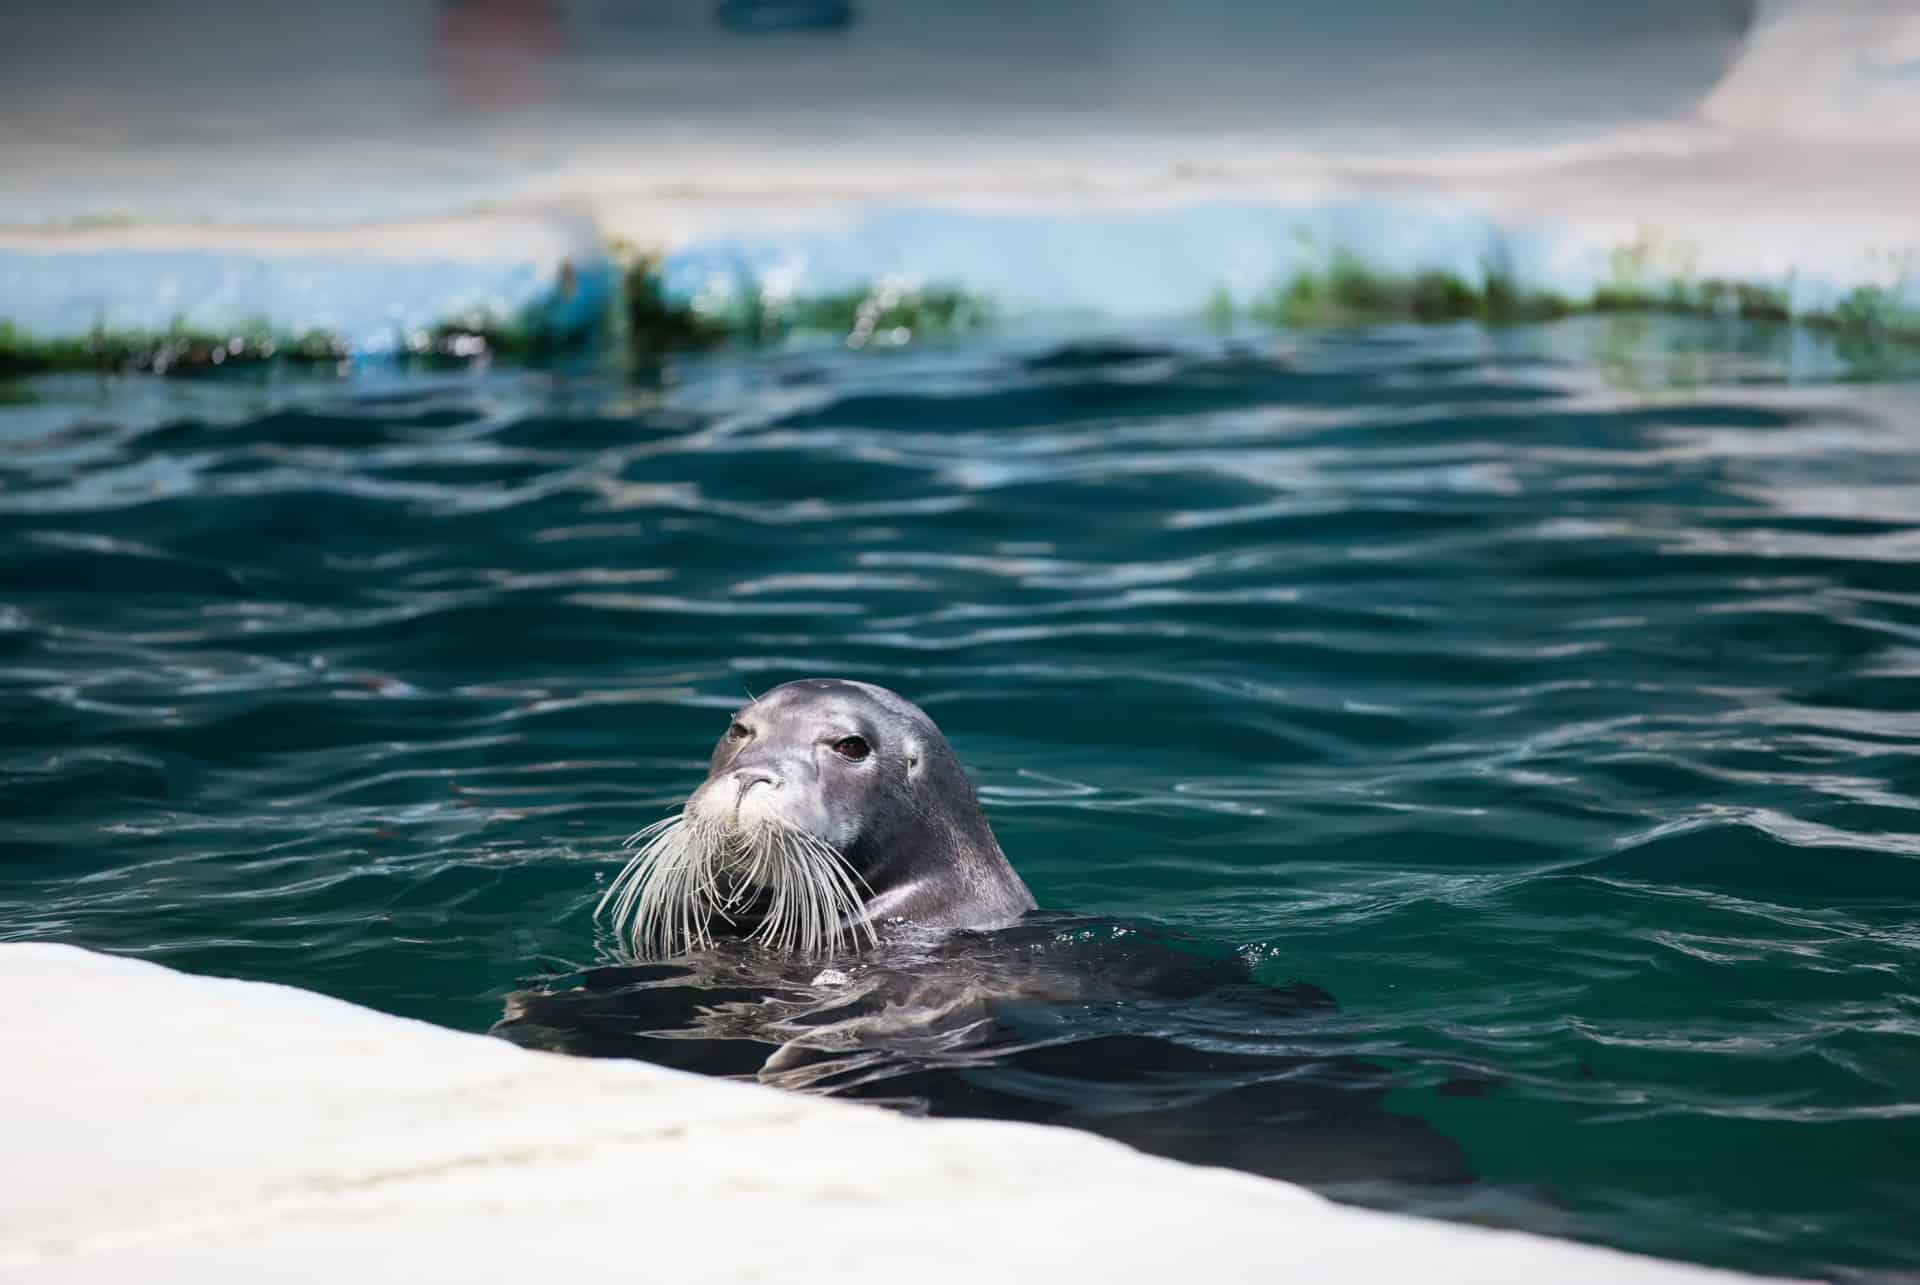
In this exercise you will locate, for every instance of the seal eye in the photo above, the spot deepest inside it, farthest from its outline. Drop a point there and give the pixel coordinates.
(737, 732)
(852, 748)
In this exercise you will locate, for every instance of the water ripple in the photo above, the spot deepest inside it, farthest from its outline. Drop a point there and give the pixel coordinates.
(1568, 736)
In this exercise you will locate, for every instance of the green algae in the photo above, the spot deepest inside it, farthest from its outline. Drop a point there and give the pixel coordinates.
(648, 322)
(656, 323)
(879, 314)
(178, 350)
(885, 314)
(1345, 290)
(644, 322)
(1646, 278)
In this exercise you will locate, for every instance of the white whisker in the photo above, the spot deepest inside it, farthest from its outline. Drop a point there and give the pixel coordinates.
(687, 870)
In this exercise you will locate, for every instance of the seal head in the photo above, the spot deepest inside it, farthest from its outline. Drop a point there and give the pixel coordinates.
(831, 810)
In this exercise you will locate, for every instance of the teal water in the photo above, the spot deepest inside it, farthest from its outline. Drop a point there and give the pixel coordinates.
(1554, 705)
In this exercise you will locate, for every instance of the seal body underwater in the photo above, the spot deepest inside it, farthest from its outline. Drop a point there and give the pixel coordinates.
(832, 812)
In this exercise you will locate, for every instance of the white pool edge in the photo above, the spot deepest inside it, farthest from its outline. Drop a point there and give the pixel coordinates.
(163, 1126)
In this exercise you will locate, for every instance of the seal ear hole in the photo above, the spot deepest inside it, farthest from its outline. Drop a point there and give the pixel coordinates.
(913, 761)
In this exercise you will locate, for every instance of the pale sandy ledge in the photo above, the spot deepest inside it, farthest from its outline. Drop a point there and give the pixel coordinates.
(166, 1127)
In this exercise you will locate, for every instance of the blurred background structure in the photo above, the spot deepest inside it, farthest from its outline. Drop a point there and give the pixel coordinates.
(370, 169)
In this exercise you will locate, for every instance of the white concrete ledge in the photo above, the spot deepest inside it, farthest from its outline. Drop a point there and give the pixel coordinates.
(163, 1127)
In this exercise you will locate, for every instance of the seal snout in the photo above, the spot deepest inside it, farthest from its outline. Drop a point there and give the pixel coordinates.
(748, 777)
(754, 795)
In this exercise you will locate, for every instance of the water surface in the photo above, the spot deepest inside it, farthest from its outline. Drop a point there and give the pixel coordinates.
(1546, 698)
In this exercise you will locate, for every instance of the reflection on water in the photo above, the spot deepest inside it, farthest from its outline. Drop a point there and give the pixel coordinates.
(1558, 724)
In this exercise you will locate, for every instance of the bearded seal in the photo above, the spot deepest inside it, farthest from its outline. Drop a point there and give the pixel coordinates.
(832, 811)
(835, 817)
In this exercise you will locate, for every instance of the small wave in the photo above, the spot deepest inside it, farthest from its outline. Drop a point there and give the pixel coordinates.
(1565, 735)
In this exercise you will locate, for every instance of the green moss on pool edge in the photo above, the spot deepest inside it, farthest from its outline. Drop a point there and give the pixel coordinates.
(1345, 290)
(646, 322)
(643, 322)
(1348, 291)
(178, 350)
(886, 315)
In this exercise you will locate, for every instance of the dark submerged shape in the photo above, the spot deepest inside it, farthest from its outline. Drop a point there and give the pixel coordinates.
(1111, 1027)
